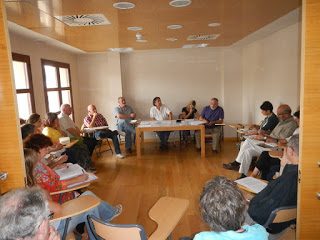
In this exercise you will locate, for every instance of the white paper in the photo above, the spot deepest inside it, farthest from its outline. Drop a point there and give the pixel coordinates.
(70, 171)
(91, 178)
(253, 184)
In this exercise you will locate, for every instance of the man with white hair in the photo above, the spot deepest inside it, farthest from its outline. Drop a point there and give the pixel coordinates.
(24, 215)
(71, 129)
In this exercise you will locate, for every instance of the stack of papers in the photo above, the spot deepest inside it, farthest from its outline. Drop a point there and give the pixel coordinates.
(253, 184)
(70, 171)
(91, 178)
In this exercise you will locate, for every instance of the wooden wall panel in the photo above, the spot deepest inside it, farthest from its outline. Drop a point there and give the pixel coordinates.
(309, 186)
(11, 155)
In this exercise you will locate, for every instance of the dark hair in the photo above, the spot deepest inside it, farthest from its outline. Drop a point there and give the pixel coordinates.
(50, 118)
(154, 100)
(37, 142)
(27, 129)
(222, 205)
(216, 99)
(33, 118)
(266, 105)
(297, 114)
(22, 121)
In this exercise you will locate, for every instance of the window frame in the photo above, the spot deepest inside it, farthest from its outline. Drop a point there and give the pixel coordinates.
(57, 65)
(26, 59)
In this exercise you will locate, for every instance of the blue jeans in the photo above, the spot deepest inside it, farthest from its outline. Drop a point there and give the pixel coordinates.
(103, 211)
(164, 137)
(130, 133)
(113, 135)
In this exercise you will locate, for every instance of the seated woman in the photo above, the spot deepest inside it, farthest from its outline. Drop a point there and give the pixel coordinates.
(267, 165)
(188, 112)
(35, 120)
(268, 123)
(161, 112)
(78, 153)
(41, 175)
(223, 208)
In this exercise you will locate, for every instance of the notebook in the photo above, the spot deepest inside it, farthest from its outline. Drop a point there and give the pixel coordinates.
(253, 184)
(70, 171)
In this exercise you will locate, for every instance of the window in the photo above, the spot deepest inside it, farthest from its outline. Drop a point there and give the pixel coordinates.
(57, 84)
(23, 84)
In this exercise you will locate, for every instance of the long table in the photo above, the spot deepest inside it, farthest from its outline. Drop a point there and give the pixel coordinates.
(168, 125)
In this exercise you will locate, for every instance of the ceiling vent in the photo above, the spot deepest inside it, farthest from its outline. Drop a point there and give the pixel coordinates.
(203, 37)
(202, 45)
(84, 20)
(180, 3)
(123, 5)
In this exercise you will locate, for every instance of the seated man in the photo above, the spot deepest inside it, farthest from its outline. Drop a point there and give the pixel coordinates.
(161, 112)
(223, 208)
(267, 165)
(95, 119)
(124, 115)
(71, 130)
(250, 147)
(24, 214)
(212, 114)
(280, 192)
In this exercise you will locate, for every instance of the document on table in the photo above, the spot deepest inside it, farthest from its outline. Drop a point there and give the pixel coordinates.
(70, 171)
(91, 177)
(253, 184)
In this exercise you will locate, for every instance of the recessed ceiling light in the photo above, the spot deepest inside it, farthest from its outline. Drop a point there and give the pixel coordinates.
(214, 24)
(135, 28)
(172, 39)
(174, 26)
(141, 40)
(202, 45)
(180, 3)
(123, 5)
(121, 50)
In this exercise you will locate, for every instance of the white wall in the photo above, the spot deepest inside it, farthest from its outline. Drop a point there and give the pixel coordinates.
(99, 83)
(241, 76)
(271, 71)
(36, 51)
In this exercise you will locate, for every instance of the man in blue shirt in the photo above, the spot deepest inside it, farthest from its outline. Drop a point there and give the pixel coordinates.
(212, 115)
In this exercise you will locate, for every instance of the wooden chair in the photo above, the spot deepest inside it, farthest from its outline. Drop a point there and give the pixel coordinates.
(284, 214)
(104, 230)
(209, 136)
(166, 212)
(73, 208)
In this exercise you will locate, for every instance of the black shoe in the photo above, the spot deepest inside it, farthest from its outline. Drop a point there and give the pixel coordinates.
(242, 176)
(232, 166)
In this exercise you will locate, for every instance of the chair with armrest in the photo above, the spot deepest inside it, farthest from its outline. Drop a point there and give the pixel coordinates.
(166, 212)
(73, 208)
(283, 214)
(80, 186)
(104, 230)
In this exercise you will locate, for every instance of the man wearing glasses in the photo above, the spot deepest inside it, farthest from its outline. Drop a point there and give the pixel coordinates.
(250, 147)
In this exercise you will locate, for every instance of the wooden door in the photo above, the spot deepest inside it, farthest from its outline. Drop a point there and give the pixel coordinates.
(11, 155)
(308, 226)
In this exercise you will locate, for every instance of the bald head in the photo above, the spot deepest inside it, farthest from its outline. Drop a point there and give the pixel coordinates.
(92, 109)
(284, 112)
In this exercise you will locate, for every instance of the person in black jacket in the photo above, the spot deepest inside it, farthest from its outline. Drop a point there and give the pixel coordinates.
(280, 192)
